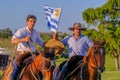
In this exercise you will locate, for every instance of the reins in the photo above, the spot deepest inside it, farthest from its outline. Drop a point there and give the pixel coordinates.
(33, 73)
(81, 64)
(33, 62)
(42, 70)
(37, 72)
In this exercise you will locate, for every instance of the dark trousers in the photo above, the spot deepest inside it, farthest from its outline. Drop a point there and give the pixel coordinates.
(69, 66)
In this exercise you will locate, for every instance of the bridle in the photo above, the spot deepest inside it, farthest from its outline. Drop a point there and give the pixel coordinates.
(97, 68)
(52, 64)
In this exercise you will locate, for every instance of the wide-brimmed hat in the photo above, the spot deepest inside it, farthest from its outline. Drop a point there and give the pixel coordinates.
(76, 26)
(56, 45)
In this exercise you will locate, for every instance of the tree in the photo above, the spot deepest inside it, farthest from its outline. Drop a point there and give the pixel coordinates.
(107, 19)
(5, 33)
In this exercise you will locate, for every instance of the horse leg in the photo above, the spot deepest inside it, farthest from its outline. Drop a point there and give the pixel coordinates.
(48, 75)
(92, 73)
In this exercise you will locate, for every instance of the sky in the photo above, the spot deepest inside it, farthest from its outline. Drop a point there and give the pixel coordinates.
(13, 13)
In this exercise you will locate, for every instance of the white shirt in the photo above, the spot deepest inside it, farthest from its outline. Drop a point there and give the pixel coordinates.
(78, 46)
(35, 37)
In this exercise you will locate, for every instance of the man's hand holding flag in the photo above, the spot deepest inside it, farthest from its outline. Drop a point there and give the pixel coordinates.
(52, 16)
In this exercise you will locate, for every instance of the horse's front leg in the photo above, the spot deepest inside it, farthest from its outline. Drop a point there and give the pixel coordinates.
(48, 75)
(92, 74)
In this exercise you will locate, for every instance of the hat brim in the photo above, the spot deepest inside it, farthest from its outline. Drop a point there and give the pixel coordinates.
(71, 28)
(56, 45)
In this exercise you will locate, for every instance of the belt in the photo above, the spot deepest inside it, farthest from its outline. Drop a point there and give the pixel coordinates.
(22, 52)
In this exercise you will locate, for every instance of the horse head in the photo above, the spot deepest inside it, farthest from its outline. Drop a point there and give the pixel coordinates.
(48, 60)
(53, 48)
(49, 57)
(43, 65)
(96, 56)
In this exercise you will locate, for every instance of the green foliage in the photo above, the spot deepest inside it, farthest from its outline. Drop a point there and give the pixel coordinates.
(5, 33)
(117, 32)
(94, 34)
(46, 37)
(89, 15)
(107, 19)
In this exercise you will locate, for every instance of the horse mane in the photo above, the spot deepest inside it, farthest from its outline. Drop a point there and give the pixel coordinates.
(37, 61)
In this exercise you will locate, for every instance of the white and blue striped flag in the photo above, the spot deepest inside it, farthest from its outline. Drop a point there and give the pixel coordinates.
(52, 16)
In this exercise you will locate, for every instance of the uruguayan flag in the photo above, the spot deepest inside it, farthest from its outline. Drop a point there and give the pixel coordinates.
(52, 16)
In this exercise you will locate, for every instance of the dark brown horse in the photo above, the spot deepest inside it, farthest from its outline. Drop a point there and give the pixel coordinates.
(90, 68)
(40, 68)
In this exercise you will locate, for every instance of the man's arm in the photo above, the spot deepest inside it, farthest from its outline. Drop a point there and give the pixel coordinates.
(87, 54)
(19, 40)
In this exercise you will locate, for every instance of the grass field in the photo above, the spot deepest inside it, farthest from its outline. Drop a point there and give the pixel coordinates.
(111, 75)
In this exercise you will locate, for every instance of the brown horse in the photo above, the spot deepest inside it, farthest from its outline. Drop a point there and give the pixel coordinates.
(90, 68)
(40, 68)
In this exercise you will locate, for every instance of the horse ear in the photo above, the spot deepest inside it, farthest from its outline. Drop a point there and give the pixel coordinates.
(95, 41)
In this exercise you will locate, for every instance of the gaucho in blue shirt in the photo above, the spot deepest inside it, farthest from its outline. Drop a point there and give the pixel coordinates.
(77, 46)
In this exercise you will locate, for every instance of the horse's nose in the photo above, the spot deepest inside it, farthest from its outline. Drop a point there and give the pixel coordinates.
(52, 62)
(101, 69)
(52, 66)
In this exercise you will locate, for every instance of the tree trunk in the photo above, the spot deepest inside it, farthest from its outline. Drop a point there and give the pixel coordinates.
(116, 56)
(117, 62)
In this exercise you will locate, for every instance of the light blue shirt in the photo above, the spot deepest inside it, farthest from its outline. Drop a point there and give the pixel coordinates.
(35, 37)
(78, 46)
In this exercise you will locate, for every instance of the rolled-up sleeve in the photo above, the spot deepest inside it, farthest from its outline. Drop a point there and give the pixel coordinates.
(17, 35)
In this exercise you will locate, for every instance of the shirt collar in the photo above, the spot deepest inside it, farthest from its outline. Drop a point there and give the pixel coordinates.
(80, 36)
(28, 29)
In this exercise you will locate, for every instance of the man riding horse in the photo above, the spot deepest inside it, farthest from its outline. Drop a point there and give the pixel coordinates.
(25, 37)
(77, 45)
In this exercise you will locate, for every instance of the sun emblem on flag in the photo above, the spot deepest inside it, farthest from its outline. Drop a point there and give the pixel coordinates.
(57, 12)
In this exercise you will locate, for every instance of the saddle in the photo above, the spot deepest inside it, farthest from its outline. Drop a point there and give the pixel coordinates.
(77, 60)
(24, 65)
